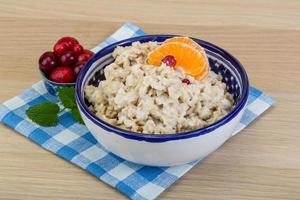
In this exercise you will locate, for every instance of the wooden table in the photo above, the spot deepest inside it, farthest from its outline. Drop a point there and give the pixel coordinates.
(261, 163)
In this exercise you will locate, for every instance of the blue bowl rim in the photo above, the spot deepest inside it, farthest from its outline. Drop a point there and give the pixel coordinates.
(168, 137)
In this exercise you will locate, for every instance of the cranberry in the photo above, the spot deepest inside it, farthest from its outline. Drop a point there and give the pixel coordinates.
(77, 68)
(60, 48)
(69, 41)
(77, 49)
(68, 59)
(62, 75)
(169, 61)
(186, 81)
(85, 56)
(48, 61)
(64, 44)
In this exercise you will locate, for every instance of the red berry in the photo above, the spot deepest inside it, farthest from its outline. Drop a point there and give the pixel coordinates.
(69, 41)
(64, 44)
(68, 59)
(86, 51)
(62, 75)
(77, 49)
(77, 68)
(169, 61)
(186, 81)
(60, 48)
(48, 61)
(85, 56)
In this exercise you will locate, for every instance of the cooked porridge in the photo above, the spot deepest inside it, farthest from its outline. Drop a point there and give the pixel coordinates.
(155, 100)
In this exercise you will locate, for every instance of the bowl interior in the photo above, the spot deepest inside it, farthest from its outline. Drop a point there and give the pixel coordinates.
(221, 62)
(218, 63)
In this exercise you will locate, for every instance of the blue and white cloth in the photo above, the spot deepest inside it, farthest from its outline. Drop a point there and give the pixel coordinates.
(74, 143)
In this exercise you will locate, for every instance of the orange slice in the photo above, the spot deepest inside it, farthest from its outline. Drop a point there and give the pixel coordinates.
(202, 75)
(188, 41)
(185, 40)
(192, 61)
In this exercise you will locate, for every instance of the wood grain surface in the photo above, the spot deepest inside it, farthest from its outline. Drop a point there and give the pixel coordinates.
(261, 163)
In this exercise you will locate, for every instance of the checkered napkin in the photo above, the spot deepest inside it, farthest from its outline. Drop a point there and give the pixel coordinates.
(74, 143)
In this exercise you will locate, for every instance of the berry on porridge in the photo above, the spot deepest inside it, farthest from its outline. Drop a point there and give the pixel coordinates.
(163, 88)
(169, 61)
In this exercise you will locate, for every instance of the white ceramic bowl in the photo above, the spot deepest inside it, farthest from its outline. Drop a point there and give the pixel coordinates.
(173, 149)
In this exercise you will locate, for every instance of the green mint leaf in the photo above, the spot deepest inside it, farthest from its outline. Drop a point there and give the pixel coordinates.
(67, 97)
(44, 114)
(76, 115)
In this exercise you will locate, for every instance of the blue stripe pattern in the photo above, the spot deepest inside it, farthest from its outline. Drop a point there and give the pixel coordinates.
(74, 143)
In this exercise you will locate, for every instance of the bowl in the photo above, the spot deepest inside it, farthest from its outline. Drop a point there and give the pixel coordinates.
(51, 86)
(171, 149)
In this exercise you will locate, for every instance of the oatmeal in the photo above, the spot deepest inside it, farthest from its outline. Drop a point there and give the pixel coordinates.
(155, 100)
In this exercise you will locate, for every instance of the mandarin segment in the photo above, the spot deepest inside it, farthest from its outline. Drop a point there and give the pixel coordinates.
(192, 43)
(185, 40)
(202, 75)
(191, 60)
